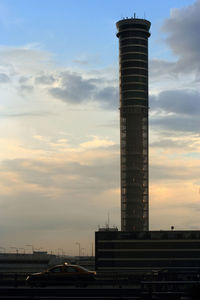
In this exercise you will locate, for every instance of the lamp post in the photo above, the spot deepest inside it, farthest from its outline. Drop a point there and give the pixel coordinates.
(82, 251)
(79, 248)
(92, 250)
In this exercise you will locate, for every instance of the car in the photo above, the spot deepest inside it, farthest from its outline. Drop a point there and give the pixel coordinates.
(61, 275)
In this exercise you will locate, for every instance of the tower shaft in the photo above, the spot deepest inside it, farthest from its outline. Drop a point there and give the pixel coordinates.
(133, 59)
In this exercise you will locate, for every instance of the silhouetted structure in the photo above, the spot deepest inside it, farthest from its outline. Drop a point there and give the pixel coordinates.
(26, 262)
(173, 250)
(133, 36)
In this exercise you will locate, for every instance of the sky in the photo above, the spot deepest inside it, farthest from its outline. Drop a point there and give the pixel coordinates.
(59, 119)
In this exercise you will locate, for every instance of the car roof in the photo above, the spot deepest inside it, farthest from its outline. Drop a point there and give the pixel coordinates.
(55, 266)
(70, 265)
(65, 264)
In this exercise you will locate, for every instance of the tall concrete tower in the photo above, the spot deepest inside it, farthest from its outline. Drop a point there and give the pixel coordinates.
(133, 37)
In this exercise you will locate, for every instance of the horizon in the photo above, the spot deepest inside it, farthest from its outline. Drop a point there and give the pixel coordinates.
(59, 132)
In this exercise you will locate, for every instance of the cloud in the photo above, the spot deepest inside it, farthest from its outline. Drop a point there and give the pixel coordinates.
(45, 79)
(81, 62)
(108, 97)
(174, 203)
(183, 29)
(60, 193)
(97, 143)
(161, 69)
(168, 142)
(70, 176)
(26, 64)
(74, 89)
(183, 102)
(178, 123)
(174, 170)
(176, 110)
(25, 88)
(4, 78)
(51, 186)
(23, 79)
(24, 61)
(87, 168)
(26, 114)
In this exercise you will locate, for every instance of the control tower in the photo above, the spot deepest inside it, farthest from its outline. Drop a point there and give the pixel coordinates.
(133, 37)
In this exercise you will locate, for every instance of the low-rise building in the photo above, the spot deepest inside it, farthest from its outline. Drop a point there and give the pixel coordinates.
(26, 263)
(118, 251)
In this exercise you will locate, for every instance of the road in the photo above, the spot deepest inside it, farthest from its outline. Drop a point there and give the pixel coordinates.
(69, 293)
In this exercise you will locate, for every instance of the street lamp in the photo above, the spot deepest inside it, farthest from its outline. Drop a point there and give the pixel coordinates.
(82, 251)
(92, 250)
(79, 248)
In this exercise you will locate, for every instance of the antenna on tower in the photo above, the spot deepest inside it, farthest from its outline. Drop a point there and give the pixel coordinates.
(134, 15)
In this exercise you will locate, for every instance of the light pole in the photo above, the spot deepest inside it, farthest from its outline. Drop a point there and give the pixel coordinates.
(79, 248)
(82, 251)
(92, 250)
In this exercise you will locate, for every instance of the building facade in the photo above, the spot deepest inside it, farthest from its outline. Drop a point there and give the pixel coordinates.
(140, 252)
(25, 262)
(133, 37)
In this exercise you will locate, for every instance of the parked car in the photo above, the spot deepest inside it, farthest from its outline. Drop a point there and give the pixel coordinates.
(62, 274)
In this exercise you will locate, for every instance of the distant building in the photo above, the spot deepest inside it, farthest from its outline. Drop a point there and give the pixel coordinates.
(108, 229)
(39, 261)
(145, 251)
(26, 263)
(133, 37)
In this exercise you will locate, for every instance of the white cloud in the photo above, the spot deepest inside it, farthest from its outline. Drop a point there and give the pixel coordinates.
(97, 143)
(48, 194)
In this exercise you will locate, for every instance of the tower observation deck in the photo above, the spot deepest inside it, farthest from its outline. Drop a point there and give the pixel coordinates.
(133, 37)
